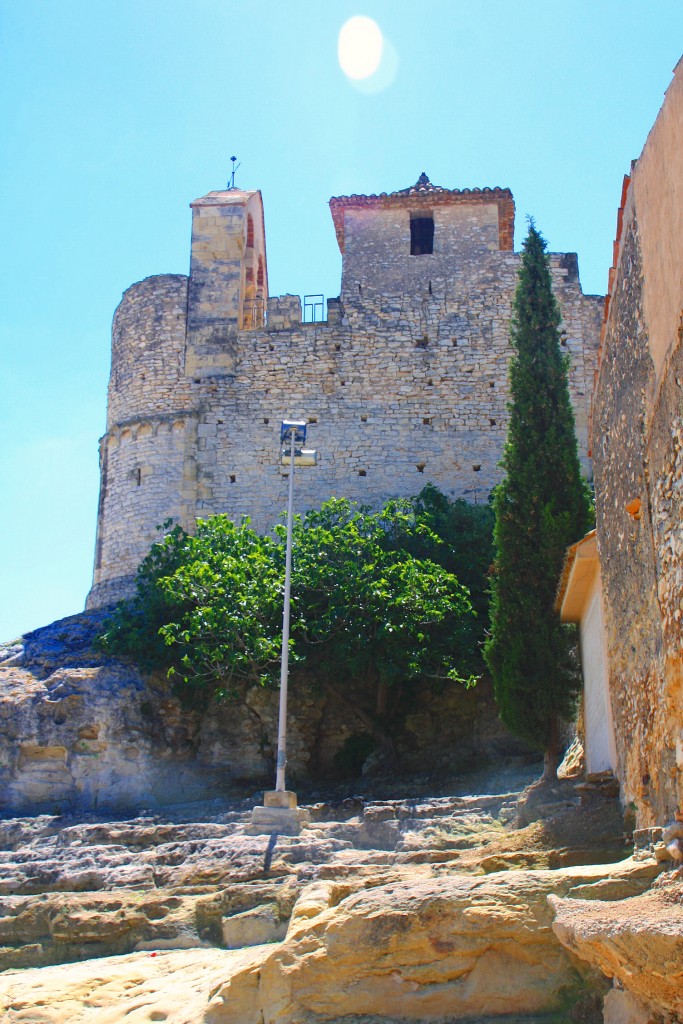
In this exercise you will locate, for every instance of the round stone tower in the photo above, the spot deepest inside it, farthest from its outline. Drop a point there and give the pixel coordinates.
(173, 337)
(150, 426)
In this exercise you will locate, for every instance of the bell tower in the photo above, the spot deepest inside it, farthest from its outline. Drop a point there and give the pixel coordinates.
(399, 241)
(228, 287)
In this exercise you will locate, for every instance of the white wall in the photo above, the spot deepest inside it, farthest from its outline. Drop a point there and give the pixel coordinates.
(600, 746)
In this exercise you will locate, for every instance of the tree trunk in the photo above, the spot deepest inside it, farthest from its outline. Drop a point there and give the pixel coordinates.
(552, 756)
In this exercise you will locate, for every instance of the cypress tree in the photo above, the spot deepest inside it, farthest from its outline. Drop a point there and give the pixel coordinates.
(541, 506)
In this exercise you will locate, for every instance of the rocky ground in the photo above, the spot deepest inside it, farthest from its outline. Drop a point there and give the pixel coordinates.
(423, 909)
(82, 731)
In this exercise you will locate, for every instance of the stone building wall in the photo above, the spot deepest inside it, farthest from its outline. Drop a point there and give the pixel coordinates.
(404, 384)
(377, 246)
(637, 431)
(147, 455)
(405, 389)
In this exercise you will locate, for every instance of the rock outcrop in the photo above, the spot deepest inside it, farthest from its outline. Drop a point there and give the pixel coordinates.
(451, 948)
(80, 731)
(637, 942)
(380, 911)
(139, 988)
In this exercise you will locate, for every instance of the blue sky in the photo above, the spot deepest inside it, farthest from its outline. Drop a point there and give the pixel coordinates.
(116, 114)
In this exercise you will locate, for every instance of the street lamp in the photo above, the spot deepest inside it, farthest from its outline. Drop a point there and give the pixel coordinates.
(280, 812)
(294, 433)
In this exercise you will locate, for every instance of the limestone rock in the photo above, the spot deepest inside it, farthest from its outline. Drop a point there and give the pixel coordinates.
(621, 1008)
(387, 911)
(253, 928)
(138, 988)
(430, 949)
(80, 731)
(637, 941)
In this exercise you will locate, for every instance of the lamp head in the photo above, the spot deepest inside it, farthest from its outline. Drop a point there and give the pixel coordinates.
(299, 429)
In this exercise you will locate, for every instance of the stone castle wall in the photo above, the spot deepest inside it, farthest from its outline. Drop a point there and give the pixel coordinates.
(405, 383)
(637, 429)
(377, 247)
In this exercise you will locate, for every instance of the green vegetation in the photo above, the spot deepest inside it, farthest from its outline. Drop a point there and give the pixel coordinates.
(374, 599)
(207, 610)
(541, 507)
(366, 608)
(464, 547)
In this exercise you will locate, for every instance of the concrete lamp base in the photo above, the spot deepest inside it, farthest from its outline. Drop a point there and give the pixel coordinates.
(278, 814)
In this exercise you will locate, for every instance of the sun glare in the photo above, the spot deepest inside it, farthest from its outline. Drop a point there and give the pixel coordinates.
(360, 47)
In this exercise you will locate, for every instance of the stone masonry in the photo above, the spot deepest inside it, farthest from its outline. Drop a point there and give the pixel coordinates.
(403, 384)
(637, 430)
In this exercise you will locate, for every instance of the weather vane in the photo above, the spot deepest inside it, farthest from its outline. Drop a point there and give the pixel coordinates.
(235, 166)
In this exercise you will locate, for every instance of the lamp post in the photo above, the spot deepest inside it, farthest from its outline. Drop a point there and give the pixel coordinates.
(279, 812)
(295, 432)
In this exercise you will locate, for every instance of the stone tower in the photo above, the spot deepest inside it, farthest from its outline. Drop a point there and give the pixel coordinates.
(403, 384)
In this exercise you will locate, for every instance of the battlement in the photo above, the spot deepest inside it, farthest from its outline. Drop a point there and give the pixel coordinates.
(404, 384)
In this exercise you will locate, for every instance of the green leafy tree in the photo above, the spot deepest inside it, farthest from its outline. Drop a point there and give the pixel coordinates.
(208, 607)
(366, 608)
(132, 630)
(541, 506)
(464, 547)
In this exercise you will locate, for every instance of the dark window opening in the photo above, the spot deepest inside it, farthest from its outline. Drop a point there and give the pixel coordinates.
(476, 469)
(421, 235)
(233, 478)
(362, 472)
(421, 467)
(138, 477)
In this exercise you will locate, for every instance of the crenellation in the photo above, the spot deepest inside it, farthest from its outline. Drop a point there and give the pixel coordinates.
(403, 384)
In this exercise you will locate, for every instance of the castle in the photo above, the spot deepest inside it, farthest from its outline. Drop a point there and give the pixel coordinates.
(404, 383)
